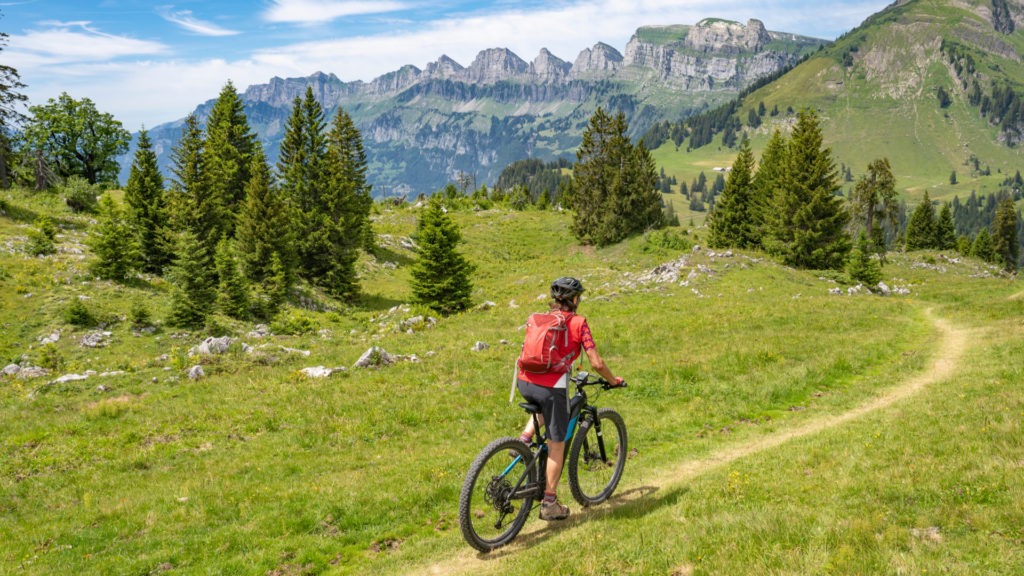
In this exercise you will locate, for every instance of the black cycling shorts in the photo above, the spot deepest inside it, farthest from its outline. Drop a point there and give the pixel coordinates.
(554, 407)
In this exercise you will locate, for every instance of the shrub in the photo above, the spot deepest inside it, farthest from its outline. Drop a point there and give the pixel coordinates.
(293, 323)
(78, 314)
(140, 314)
(41, 238)
(666, 239)
(79, 195)
(861, 266)
(50, 357)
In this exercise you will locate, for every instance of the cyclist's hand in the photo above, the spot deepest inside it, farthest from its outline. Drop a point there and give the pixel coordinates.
(619, 382)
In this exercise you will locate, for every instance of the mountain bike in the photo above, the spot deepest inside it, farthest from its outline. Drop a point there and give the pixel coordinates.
(507, 479)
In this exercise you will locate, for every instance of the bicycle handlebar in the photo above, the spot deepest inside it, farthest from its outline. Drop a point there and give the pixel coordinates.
(583, 379)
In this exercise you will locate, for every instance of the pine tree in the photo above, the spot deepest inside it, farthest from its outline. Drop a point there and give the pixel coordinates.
(232, 291)
(921, 228)
(113, 243)
(440, 275)
(41, 238)
(300, 160)
(544, 201)
(615, 183)
(874, 202)
(147, 208)
(945, 230)
(193, 208)
(192, 291)
(228, 149)
(861, 266)
(1004, 237)
(983, 247)
(807, 219)
(265, 225)
(732, 222)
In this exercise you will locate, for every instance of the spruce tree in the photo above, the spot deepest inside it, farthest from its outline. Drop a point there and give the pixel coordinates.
(113, 243)
(921, 228)
(615, 183)
(193, 293)
(265, 225)
(228, 148)
(963, 245)
(732, 222)
(440, 275)
(807, 219)
(874, 202)
(41, 238)
(147, 208)
(1004, 237)
(300, 160)
(861, 266)
(945, 230)
(347, 170)
(193, 208)
(232, 289)
(765, 182)
(983, 247)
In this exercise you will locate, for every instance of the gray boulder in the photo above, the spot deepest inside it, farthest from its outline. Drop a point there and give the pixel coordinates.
(196, 372)
(320, 371)
(96, 339)
(11, 370)
(480, 347)
(212, 346)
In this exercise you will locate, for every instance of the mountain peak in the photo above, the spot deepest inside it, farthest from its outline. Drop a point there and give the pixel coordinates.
(494, 65)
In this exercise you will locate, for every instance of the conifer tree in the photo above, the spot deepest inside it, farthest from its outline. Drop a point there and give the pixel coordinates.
(544, 201)
(874, 202)
(193, 293)
(193, 208)
(764, 183)
(41, 238)
(265, 225)
(921, 228)
(963, 245)
(945, 230)
(983, 247)
(1004, 237)
(232, 291)
(862, 267)
(615, 183)
(440, 275)
(732, 222)
(807, 219)
(300, 160)
(347, 173)
(113, 243)
(147, 208)
(228, 149)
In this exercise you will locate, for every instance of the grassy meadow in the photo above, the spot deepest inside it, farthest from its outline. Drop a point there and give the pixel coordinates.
(778, 429)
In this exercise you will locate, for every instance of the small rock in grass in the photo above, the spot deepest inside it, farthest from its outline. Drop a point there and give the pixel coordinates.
(480, 347)
(320, 371)
(196, 372)
(212, 346)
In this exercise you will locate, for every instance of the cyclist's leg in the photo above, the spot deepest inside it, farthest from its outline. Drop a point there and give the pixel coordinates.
(556, 457)
(529, 431)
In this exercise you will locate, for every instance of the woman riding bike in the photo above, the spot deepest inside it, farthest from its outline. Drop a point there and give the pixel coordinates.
(549, 389)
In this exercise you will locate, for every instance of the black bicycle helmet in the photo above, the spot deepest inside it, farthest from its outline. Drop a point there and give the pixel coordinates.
(566, 288)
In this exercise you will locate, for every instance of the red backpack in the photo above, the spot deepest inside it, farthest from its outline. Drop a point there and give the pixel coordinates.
(544, 334)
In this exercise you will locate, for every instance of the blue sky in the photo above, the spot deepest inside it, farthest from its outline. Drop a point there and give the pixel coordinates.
(153, 62)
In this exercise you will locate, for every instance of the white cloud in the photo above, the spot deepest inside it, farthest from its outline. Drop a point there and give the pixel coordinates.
(63, 44)
(318, 11)
(185, 19)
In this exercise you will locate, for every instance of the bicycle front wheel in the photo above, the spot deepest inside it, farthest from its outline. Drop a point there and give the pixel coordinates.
(597, 457)
(497, 494)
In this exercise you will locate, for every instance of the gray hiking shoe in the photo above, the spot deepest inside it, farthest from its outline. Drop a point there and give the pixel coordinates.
(553, 511)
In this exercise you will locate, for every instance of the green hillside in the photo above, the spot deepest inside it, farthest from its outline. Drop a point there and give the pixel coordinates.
(877, 89)
(777, 427)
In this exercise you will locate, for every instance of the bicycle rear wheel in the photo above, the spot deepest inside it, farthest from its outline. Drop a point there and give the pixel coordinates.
(494, 503)
(593, 476)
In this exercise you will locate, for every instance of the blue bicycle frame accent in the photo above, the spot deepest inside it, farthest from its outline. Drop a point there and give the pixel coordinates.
(518, 459)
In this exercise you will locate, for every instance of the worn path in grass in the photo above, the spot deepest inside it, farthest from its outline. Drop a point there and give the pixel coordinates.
(951, 344)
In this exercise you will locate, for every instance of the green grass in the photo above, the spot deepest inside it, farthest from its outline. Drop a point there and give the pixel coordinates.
(256, 469)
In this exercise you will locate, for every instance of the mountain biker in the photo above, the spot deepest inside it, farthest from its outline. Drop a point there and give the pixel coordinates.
(549, 390)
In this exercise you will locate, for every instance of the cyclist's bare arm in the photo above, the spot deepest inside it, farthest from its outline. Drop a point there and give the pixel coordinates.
(597, 363)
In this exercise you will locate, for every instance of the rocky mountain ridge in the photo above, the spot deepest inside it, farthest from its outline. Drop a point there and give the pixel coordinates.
(423, 126)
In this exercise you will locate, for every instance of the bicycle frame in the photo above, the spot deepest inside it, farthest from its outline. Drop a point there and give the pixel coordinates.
(578, 407)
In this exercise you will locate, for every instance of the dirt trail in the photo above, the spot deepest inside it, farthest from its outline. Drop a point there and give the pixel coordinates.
(951, 344)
